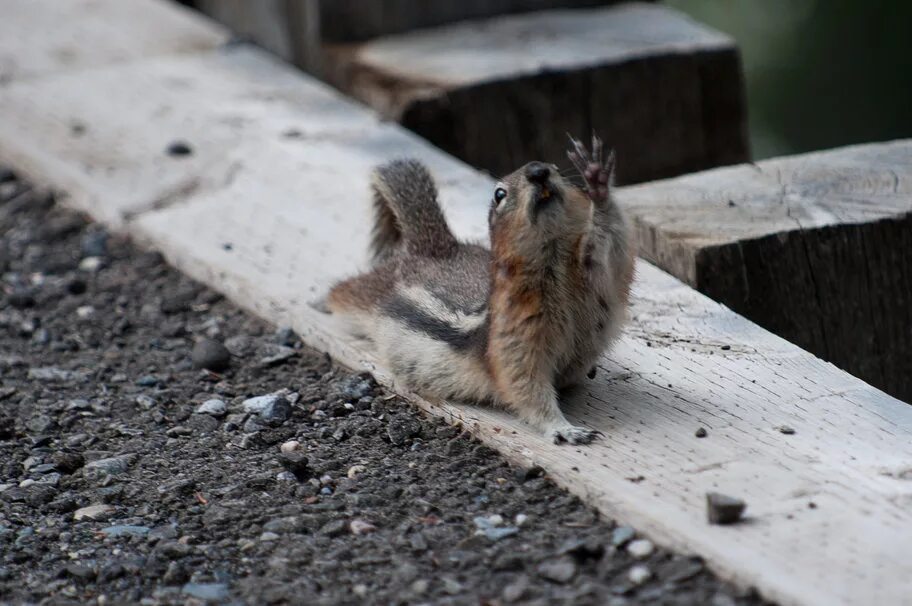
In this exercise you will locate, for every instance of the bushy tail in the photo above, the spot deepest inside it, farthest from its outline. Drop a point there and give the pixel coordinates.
(407, 213)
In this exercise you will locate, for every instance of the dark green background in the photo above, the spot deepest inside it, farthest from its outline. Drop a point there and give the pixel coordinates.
(820, 73)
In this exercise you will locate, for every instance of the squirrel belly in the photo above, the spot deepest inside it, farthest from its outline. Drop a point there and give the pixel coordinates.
(507, 326)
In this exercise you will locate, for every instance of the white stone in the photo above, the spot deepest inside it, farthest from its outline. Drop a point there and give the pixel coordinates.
(290, 446)
(93, 512)
(641, 548)
(639, 574)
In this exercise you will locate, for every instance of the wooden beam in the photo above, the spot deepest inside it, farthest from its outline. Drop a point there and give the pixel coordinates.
(665, 91)
(39, 37)
(282, 210)
(816, 248)
(347, 20)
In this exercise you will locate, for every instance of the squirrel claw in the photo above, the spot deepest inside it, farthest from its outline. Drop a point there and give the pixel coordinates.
(595, 167)
(575, 435)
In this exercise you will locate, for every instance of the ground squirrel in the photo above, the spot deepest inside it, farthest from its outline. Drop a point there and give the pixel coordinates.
(508, 326)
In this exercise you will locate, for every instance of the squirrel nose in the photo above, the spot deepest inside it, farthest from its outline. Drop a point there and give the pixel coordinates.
(537, 172)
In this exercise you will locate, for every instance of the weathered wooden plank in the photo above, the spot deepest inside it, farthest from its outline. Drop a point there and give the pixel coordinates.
(294, 211)
(665, 91)
(46, 36)
(817, 248)
(75, 123)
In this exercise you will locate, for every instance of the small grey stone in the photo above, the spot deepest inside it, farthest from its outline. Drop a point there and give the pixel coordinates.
(272, 409)
(515, 590)
(785, 429)
(701, 432)
(622, 535)
(110, 466)
(334, 528)
(401, 428)
(210, 355)
(176, 574)
(126, 530)
(94, 243)
(287, 337)
(559, 570)
(297, 463)
(214, 407)
(56, 375)
(273, 355)
(40, 424)
(178, 149)
(80, 571)
(208, 592)
(723, 509)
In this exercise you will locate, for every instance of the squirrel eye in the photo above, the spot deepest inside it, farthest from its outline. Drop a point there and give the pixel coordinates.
(499, 194)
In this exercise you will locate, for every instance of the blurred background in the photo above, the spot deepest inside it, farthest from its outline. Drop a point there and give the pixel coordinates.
(819, 73)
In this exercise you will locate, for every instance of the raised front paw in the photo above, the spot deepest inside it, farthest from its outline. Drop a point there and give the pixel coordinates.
(574, 435)
(594, 167)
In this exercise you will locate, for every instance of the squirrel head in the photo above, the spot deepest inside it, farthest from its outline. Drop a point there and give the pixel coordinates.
(534, 206)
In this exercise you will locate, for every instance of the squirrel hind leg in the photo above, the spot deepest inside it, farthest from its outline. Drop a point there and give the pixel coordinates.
(360, 293)
(407, 214)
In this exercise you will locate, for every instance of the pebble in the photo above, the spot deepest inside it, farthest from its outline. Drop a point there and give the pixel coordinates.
(786, 430)
(560, 570)
(210, 355)
(290, 446)
(213, 407)
(21, 298)
(355, 470)
(490, 528)
(272, 409)
(723, 509)
(297, 463)
(358, 387)
(334, 528)
(208, 592)
(179, 149)
(125, 530)
(622, 535)
(93, 512)
(51, 374)
(359, 527)
(514, 591)
(701, 432)
(145, 402)
(269, 536)
(639, 574)
(94, 243)
(287, 337)
(110, 466)
(401, 428)
(276, 354)
(91, 264)
(452, 586)
(641, 548)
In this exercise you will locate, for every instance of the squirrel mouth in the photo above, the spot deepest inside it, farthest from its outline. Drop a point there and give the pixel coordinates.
(545, 197)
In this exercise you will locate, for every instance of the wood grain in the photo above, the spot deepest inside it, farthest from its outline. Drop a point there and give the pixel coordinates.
(817, 248)
(296, 213)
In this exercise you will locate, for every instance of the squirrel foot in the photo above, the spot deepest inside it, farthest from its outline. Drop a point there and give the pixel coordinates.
(596, 168)
(574, 435)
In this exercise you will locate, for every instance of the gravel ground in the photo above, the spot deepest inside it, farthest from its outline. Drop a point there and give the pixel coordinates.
(128, 473)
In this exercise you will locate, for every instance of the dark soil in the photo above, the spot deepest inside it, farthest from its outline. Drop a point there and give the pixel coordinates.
(99, 387)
